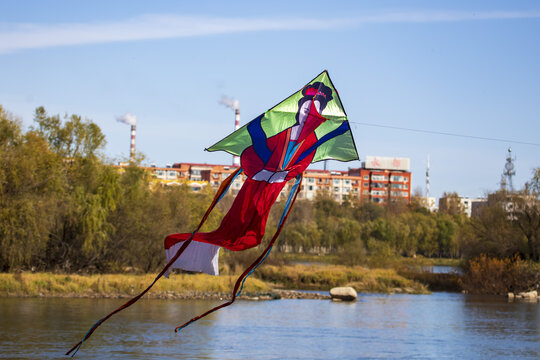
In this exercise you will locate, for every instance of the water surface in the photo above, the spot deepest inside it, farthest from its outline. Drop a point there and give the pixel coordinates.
(439, 326)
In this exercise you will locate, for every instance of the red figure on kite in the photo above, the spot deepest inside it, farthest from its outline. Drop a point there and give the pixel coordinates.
(274, 148)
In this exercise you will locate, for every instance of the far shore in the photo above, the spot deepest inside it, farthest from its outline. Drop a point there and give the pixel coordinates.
(273, 282)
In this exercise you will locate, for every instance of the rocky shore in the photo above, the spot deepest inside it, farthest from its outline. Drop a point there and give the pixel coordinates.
(172, 295)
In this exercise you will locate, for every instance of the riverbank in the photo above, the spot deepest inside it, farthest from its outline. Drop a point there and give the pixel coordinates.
(180, 286)
(269, 282)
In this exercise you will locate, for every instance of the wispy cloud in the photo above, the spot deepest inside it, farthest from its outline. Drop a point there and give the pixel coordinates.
(14, 37)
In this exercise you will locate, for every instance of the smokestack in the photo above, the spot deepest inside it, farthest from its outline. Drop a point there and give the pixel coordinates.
(236, 159)
(130, 119)
(132, 147)
(234, 105)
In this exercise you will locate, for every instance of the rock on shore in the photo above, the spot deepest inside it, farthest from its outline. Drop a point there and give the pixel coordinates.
(343, 294)
(525, 296)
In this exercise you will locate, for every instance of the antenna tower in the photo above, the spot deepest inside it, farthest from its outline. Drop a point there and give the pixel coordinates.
(508, 172)
(427, 180)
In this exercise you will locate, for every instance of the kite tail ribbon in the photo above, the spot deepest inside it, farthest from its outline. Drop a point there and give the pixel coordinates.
(221, 191)
(240, 281)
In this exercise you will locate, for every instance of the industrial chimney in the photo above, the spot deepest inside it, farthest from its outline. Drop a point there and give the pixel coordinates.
(132, 146)
(233, 104)
(131, 120)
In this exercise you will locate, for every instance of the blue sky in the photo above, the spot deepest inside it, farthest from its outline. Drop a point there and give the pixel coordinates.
(464, 67)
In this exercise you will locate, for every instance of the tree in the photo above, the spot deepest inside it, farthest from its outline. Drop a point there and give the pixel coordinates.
(524, 213)
(535, 182)
(450, 204)
(74, 138)
(29, 175)
(492, 232)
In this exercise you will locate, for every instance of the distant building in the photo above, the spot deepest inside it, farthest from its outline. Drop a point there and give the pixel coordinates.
(196, 176)
(454, 204)
(471, 205)
(384, 179)
(515, 204)
(429, 203)
(339, 184)
(379, 180)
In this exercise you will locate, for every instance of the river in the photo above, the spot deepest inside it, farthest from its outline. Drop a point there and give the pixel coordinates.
(438, 326)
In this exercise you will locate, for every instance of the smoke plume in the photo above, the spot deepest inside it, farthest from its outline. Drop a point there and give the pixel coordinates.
(229, 102)
(127, 118)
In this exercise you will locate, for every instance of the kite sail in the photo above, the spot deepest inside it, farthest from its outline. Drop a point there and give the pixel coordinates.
(274, 148)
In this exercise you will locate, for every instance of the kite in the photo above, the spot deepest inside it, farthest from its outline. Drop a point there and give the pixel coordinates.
(274, 148)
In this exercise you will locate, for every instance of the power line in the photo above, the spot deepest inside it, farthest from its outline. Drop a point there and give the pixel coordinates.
(445, 133)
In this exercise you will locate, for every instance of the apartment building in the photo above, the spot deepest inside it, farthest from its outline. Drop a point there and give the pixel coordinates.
(379, 180)
(384, 179)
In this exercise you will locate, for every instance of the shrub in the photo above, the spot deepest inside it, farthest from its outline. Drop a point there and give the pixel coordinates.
(489, 275)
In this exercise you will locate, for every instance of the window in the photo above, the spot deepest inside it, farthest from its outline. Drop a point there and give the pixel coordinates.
(160, 173)
(195, 172)
(310, 180)
(171, 174)
(347, 182)
(366, 177)
(336, 188)
(336, 181)
(366, 184)
(399, 178)
(310, 187)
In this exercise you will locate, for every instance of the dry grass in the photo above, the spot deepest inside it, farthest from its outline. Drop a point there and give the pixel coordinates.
(47, 284)
(298, 277)
(321, 277)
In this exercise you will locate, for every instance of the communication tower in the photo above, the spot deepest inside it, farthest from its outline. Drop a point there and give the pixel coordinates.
(427, 180)
(508, 172)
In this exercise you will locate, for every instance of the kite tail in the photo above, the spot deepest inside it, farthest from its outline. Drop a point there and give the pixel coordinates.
(240, 281)
(221, 191)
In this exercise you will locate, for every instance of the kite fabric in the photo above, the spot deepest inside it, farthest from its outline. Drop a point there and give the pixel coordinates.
(273, 148)
(309, 126)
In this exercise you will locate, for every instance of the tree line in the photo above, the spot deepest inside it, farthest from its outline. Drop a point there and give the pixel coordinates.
(507, 225)
(64, 207)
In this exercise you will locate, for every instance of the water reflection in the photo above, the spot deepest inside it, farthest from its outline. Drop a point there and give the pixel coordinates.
(439, 326)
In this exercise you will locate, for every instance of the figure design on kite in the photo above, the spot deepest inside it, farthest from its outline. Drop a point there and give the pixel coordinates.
(309, 126)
